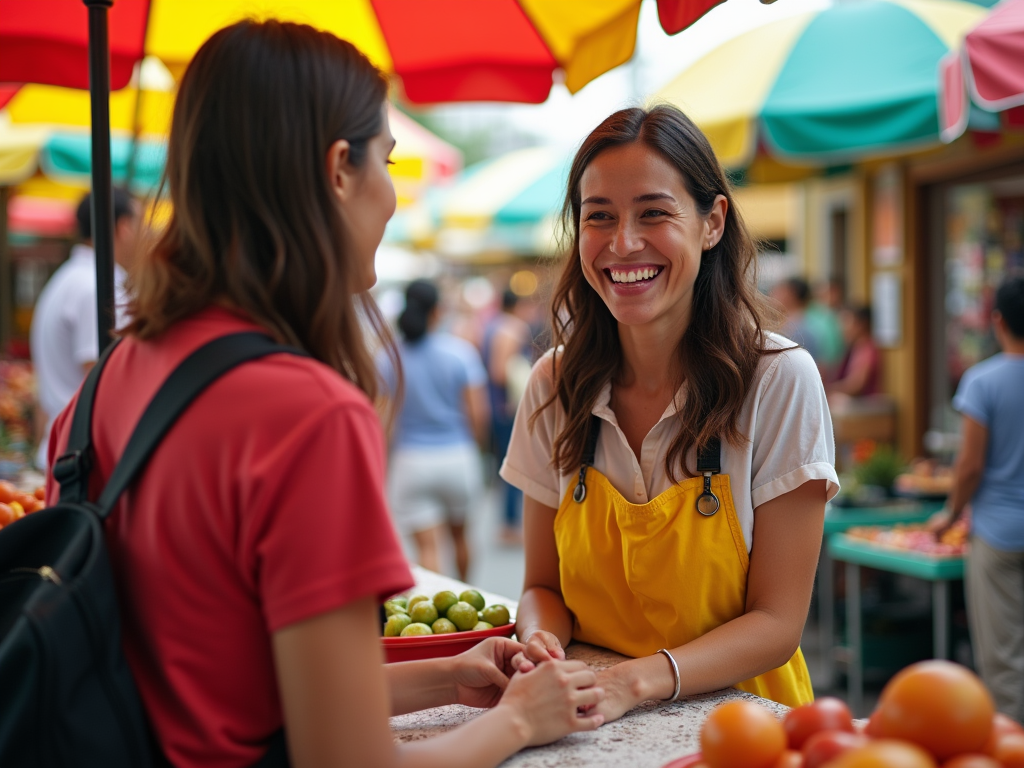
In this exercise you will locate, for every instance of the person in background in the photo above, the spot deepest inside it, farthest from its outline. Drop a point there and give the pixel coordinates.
(64, 330)
(860, 371)
(252, 555)
(823, 320)
(435, 477)
(793, 296)
(507, 340)
(989, 476)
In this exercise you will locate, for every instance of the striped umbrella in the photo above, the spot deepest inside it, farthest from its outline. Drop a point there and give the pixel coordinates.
(986, 71)
(852, 80)
(505, 206)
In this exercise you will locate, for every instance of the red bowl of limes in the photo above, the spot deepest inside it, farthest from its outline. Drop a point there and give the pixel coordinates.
(439, 613)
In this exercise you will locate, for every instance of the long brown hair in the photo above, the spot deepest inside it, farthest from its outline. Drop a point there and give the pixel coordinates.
(255, 222)
(726, 333)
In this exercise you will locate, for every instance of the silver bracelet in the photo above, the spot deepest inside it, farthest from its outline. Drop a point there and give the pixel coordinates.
(675, 671)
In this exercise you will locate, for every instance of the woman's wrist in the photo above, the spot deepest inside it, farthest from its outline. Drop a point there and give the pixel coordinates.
(649, 677)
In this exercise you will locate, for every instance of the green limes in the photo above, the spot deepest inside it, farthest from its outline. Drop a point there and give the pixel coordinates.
(463, 616)
(443, 601)
(416, 599)
(391, 608)
(400, 600)
(416, 629)
(474, 598)
(395, 624)
(497, 615)
(424, 613)
(482, 625)
(443, 627)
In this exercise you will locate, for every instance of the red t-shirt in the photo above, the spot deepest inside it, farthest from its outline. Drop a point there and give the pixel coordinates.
(264, 505)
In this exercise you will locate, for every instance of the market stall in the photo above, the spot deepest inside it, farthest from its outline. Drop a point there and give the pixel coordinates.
(885, 552)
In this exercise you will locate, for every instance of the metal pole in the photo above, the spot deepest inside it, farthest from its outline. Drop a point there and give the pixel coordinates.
(940, 619)
(102, 182)
(855, 669)
(6, 289)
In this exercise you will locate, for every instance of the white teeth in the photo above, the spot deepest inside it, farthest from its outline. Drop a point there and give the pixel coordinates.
(633, 276)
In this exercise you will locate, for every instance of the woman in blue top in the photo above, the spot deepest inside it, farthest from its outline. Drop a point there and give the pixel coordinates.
(435, 472)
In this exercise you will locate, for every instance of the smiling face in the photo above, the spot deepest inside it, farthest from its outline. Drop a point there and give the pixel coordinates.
(642, 237)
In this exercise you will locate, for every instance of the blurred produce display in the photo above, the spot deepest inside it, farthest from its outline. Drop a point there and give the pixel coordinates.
(15, 504)
(17, 398)
(917, 537)
(926, 478)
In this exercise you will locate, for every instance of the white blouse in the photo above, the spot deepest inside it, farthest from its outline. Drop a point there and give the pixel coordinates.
(785, 415)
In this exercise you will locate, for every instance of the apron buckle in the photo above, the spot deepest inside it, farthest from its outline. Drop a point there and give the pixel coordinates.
(707, 503)
(580, 492)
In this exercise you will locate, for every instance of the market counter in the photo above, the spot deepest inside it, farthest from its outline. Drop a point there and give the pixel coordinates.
(649, 736)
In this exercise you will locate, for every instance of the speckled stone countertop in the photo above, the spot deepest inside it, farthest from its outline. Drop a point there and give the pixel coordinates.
(648, 736)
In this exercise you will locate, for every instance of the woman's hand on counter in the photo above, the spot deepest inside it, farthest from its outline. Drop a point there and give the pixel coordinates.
(631, 683)
(540, 646)
(546, 703)
(482, 673)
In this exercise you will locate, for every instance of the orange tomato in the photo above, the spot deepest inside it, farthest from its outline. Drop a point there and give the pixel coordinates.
(7, 514)
(27, 500)
(971, 761)
(1009, 751)
(937, 705)
(824, 714)
(7, 492)
(741, 734)
(40, 493)
(885, 753)
(825, 746)
(790, 758)
(1001, 725)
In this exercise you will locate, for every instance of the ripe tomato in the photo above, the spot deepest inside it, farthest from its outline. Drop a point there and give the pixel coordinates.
(871, 729)
(7, 492)
(824, 714)
(825, 746)
(40, 493)
(1001, 725)
(885, 753)
(971, 761)
(7, 514)
(790, 758)
(27, 500)
(1009, 751)
(938, 705)
(741, 734)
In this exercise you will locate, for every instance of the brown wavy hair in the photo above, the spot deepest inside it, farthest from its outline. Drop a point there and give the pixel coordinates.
(255, 224)
(727, 330)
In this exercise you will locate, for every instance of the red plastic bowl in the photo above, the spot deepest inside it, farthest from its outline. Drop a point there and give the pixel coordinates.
(685, 762)
(437, 646)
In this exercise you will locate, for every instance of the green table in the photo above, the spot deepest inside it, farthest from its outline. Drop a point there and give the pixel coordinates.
(857, 553)
(837, 520)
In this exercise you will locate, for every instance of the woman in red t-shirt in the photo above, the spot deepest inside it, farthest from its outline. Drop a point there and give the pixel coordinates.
(860, 371)
(253, 553)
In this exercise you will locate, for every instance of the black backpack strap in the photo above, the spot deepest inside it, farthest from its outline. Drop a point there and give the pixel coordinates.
(199, 370)
(71, 469)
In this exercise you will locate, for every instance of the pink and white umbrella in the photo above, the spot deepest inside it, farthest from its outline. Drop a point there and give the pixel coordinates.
(987, 70)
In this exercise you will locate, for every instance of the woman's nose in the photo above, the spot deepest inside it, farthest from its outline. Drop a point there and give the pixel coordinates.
(627, 239)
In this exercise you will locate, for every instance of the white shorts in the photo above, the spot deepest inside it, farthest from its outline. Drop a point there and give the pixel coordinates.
(431, 486)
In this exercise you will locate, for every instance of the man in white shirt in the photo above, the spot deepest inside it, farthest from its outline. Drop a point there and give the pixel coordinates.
(64, 325)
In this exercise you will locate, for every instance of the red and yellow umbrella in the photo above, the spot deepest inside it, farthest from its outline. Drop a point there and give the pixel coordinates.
(441, 50)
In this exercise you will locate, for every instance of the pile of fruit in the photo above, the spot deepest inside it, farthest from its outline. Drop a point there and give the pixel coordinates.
(925, 478)
(444, 614)
(931, 714)
(15, 504)
(917, 537)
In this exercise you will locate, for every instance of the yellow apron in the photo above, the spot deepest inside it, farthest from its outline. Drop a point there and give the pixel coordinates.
(639, 577)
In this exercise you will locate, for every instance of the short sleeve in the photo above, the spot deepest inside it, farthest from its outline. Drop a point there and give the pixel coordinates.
(793, 439)
(319, 535)
(528, 464)
(473, 371)
(80, 315)
(971, 399)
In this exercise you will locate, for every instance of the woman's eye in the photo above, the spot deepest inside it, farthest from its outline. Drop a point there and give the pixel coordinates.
(654, 212)
(598, 216)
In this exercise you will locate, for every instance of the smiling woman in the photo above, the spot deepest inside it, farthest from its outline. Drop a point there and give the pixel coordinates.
(665, 428)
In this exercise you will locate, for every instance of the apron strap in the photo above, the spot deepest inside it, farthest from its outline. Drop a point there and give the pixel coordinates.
(710, 458)
(589, 452)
